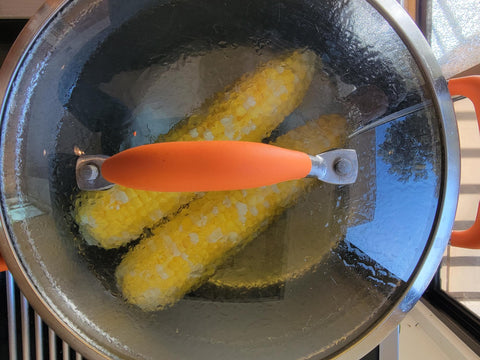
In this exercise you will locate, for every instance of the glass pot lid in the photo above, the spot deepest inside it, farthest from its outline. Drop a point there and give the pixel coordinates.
(295, 270)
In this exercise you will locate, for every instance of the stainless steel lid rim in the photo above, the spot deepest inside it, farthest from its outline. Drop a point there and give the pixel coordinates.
(441, 231)
(23, 44)
(451, 172)
(47, 310)
(10, 70)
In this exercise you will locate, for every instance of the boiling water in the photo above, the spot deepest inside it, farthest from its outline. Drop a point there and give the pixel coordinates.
(159, 96)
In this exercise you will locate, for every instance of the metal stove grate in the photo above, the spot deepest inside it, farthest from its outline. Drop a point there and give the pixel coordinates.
(23, 333)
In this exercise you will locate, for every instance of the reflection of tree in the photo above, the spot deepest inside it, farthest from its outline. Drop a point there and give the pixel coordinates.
(408, 148)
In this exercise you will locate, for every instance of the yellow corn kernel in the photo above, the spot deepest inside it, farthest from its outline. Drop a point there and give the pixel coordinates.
(182, 253)
(248, 110)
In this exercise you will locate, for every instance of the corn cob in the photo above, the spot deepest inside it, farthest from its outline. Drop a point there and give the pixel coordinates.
(183, 252)
(284, 252)
(248, 110)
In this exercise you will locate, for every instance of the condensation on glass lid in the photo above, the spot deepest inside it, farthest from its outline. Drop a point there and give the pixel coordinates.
(155, 85)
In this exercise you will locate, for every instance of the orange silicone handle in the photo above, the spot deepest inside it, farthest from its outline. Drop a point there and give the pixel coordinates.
(3, 266)
(469, 87)
(205, 166)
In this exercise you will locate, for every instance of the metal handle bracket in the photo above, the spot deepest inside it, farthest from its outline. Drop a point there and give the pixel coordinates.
(338, 167)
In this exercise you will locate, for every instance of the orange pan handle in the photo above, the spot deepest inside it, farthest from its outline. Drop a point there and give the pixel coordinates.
(3, 266)
(469, 87)
(205, 166)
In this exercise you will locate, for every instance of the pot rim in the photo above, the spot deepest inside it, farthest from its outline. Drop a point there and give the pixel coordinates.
(8, 71)
(441, 228)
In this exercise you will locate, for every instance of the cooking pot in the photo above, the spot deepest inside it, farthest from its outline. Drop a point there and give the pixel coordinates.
(96, 77)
